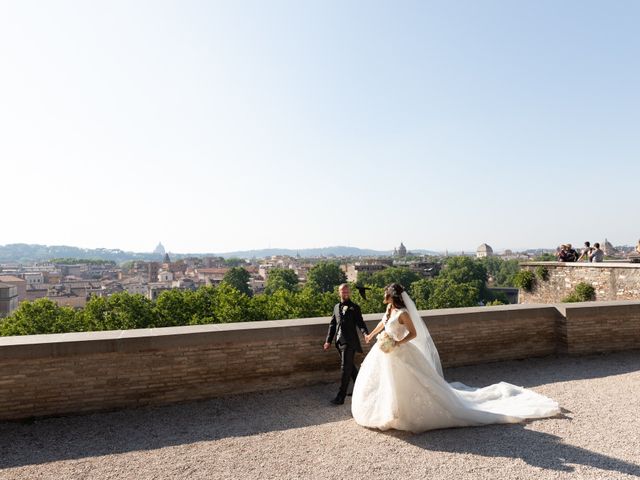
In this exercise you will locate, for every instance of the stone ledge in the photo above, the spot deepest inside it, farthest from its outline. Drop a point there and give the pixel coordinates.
(138, 340)
(621, 264)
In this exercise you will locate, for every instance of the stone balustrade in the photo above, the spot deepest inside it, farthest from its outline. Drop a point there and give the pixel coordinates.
(69, 373)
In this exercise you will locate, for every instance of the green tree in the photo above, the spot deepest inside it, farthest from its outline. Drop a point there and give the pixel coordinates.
(120, 311)
(281, 278)
(382, 278)
(374, 302)
(175, 307)
(420, 292)
(238, 278)
(501, 271)
(466, 270)
(233, 262)
(325, 277)
(39, 317)
(447, 293)
(231, 304)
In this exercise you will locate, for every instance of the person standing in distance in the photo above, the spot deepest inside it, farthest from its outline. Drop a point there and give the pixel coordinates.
(344, 321)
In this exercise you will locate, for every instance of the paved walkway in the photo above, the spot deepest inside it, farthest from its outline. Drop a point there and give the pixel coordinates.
(296, 434)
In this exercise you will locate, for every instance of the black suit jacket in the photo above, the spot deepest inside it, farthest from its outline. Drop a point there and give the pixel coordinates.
(343, 325)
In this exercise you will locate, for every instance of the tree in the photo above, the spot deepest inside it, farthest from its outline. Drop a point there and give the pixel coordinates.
(465, 270)
(175, 307)
(373, 303)
(120, 311)
(39, 317)
(501, 271)
(402, 275)
(325, 277)
(234, 262)
(281, 278)
(231, 305)
(238, 278)
(420, 292)
(447, 293)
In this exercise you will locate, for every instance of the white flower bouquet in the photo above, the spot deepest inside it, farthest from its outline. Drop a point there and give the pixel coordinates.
(385, 342)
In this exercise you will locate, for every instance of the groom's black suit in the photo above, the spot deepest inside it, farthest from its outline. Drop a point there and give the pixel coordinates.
(346, 317)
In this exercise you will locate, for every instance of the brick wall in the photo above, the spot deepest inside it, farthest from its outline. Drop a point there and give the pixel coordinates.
(79, 372)
(612, 281)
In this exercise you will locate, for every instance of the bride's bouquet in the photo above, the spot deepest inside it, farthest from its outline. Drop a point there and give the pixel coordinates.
(385, 342)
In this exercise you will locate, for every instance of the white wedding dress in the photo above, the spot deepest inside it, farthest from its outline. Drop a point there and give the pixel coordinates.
(405, 390)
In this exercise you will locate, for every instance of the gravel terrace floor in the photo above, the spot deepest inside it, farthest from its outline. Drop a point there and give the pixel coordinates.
(297, 434)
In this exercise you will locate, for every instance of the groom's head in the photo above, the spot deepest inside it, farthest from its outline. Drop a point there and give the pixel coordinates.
(344, 291)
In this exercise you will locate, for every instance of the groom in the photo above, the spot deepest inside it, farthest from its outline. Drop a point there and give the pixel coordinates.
(346, 317)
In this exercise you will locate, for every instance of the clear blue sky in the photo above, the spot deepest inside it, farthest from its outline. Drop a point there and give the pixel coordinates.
(216, 126)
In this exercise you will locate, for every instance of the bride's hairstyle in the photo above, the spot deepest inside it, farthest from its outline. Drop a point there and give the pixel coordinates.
(394, 290)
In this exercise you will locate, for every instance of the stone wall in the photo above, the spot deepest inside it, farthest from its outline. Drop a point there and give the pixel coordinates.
(612, 281)
(68, 373)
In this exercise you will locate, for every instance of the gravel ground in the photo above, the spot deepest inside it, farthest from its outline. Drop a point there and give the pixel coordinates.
(297, 434)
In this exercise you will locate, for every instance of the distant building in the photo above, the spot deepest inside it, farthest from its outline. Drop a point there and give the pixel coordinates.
(19, 283)
(165, 276)
(609, 249)
(152, 271)
(155, 289)
(401, 251)
(211, 276)
(483, 251)
(8, 299)
(353, 270)
(34, 278)
(159, 250)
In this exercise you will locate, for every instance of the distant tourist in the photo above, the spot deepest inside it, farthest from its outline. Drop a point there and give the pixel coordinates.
(561, 253)
(638, 248)
(585, 252)
(597, 254)
(567, 253)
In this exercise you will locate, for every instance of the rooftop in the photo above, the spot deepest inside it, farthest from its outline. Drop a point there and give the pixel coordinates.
(297, 434)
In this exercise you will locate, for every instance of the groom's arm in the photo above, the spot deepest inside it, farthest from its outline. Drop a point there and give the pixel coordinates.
(360, 322)
(332, 328)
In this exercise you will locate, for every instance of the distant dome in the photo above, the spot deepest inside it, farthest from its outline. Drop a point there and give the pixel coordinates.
(159, 250)
(484, 250)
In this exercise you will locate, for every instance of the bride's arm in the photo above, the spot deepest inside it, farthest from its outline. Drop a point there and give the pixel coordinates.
(379, 327)
(405, 319)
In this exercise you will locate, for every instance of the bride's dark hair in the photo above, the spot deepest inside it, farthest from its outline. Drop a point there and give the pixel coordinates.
(394, 290)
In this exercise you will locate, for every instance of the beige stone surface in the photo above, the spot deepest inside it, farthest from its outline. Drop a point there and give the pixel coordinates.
(612, 281)
(297, 434)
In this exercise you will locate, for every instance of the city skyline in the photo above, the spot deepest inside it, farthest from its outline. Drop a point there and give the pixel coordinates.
(323, 250)
(248, 125)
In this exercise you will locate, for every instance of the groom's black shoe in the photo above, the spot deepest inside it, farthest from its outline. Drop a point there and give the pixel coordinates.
(338, 400)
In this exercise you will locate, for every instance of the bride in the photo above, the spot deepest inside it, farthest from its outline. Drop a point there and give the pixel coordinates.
(400, 384)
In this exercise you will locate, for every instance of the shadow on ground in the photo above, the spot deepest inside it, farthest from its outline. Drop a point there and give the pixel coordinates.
(75, 437)
(536, 448)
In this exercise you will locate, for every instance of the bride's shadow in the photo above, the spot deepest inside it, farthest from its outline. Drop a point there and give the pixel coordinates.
(538, 449)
